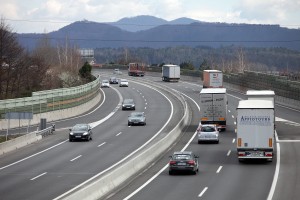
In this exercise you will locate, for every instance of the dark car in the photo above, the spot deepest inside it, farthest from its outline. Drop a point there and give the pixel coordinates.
(137, 118)
(128, 104)
(81, 132)
(113, 80)
(183, 161)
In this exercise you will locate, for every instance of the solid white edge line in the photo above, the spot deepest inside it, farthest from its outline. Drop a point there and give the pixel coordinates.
(75, 158)
(203, 191)
(33, 155)
(233, 140)
(276, 174)
(219, 169)
(38, 176)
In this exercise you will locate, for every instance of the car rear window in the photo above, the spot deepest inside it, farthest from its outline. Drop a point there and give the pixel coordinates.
(207, 129)
(182, 157)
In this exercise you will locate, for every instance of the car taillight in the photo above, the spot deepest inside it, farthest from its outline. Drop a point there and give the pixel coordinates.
(191, 162)
(269, 154)
(172, 162)
(241, 153)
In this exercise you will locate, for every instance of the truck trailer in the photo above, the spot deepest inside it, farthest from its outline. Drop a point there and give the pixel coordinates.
(171, 73)
(212, 79)
(213, 107)
(261, 94)
(136, 69)
(255, 129)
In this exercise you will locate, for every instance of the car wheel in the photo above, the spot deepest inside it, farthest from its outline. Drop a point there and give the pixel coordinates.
(199, 142)
(195, 172)
(170, 173)
(70, 140)
(145, 124)
(128, 124)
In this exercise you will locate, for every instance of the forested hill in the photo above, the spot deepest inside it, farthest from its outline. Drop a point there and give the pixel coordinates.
(87, 34)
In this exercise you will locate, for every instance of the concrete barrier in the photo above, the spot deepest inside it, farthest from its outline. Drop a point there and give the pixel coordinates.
(19, 142)
(103, 185)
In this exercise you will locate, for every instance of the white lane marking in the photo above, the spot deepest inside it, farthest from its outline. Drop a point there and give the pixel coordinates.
(233, 140)
(38, 176)
(119, 134)
(232, 116)
(75, 158)
(146, 103)
(203, 191)
(145, 99)
(229, 111)
(234, 123)
(129, 155)
(102, 144)
(33, 155)
(229, 152)
(276, 174)
(145, 107)
(219, 169)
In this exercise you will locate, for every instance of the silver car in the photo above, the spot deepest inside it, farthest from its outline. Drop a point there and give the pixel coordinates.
(137, 118)
(105, 83)
(123, 83)
(208, 133)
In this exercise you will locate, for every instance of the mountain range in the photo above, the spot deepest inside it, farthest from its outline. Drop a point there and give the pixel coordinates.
(153, 32)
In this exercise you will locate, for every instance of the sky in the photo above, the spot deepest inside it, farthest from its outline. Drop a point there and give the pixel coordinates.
(44, 16)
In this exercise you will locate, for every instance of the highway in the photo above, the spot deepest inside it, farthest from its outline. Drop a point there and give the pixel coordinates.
(54, 165)
(221, 176)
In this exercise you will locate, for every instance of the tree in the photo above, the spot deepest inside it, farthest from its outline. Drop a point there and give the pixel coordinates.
(187, 65)
(86, 71)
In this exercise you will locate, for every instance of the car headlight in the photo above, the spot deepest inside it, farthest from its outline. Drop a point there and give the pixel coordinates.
(71, 133)
(129, 120)
(85, 133)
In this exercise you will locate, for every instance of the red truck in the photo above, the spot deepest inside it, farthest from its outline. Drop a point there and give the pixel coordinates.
(136, 69)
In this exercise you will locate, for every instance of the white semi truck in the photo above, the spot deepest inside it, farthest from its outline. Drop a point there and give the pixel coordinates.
(213, 107)
(255, 129)
(170, 73)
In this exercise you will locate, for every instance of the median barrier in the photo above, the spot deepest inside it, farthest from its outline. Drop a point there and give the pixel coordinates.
(103, 185)
(19, 142)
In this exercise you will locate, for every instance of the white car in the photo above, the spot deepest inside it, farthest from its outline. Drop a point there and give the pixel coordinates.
(123, 83)
(207, 133)
(117, 71)
(105, 83)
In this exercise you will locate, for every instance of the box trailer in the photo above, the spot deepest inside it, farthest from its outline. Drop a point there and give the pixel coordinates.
(170, 73)
(261, 94)
(213, 107)
(212, 79)
(136, 69)
(255, 128)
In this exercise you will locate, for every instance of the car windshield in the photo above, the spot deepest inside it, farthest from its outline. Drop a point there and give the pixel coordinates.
(182, 157)
(207, 129)
(136, 114)
(105, 81)
(82, 127)
(123, 80)
(128, 101)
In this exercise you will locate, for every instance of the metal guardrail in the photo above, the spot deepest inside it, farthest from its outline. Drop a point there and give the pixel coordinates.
(46, 131)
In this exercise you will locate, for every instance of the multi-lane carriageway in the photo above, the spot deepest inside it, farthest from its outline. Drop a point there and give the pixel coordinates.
(53, 166)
